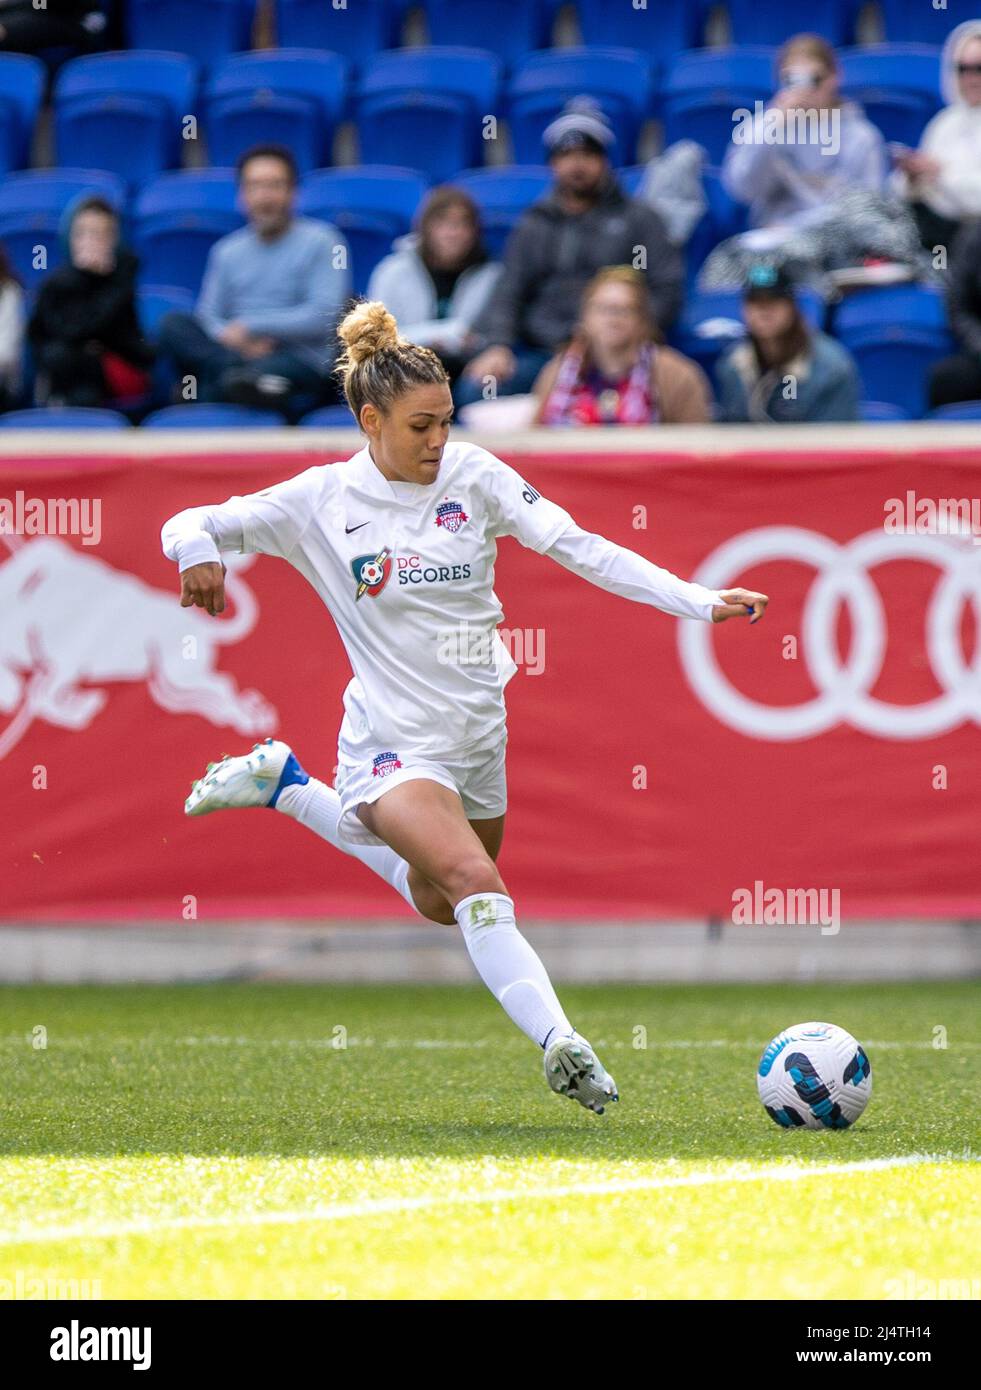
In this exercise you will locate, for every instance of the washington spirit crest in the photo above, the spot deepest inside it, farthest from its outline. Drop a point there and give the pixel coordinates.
(384, 764)
(450, 515)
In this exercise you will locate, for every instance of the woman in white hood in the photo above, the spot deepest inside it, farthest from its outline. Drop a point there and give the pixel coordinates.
(438, 280)
(942, 179)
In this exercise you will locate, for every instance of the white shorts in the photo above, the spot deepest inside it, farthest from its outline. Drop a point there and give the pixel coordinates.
(479, 778)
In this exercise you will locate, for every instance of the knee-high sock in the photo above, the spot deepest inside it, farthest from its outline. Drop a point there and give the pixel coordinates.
(509, 967)
(318, 807)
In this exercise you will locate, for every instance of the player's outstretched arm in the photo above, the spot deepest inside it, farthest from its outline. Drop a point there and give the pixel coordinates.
(621, 571)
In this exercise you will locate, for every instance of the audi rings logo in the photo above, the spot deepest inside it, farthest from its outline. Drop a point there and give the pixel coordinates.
(843, 577)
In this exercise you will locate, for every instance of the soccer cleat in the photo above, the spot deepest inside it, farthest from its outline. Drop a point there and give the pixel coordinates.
(252, 779)
(572, 1069)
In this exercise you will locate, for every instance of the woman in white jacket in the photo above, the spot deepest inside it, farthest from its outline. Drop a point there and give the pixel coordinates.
(11, 333)
(438, 279)
(942, 179)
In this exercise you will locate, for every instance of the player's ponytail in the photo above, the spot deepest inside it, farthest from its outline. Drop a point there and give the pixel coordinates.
(377, 364)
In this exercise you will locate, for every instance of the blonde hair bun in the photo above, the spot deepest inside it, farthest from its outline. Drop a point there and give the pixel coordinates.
(367, 329)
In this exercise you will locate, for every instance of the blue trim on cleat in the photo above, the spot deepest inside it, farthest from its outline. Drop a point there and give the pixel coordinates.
(291, 775)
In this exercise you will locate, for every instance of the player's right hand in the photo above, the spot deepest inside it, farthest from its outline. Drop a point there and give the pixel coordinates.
(203, 586)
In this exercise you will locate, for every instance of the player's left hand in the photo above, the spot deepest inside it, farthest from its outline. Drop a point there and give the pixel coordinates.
(739, 602)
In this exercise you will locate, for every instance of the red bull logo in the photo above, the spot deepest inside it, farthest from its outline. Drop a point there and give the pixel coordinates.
(74, 625)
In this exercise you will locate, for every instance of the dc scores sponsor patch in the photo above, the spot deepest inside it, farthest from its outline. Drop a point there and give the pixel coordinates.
(450, 515)
(371, 573)
(384, 763)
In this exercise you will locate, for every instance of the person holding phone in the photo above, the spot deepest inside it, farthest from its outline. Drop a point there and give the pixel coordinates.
(790, 184)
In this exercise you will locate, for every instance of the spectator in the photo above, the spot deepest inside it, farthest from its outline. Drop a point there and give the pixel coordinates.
(84, 333)
(11, 333)
(784, 372)
(790, 184)
(584, 223)
(942, 179)
(28, 27)
(263, 326)
(958, 378)
(437, 281)
(616, 370)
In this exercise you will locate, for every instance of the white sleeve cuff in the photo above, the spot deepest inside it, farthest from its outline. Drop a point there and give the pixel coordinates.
(198, 549)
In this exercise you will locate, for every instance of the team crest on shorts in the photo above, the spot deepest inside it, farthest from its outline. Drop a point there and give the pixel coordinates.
(450, 515)
(384, 763)
(372, 572)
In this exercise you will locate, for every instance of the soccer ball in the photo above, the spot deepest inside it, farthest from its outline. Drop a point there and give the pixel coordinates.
(814, 1075)
(371, 573)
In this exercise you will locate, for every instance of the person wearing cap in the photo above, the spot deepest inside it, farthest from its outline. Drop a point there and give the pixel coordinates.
(784, 371)
(582, 224)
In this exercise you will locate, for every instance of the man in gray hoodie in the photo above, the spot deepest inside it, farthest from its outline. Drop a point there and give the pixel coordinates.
(584, 223)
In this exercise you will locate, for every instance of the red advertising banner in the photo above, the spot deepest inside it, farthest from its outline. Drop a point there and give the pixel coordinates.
(656, 766)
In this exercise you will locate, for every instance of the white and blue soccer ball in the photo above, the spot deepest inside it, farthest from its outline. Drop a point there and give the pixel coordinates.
(814, 1076)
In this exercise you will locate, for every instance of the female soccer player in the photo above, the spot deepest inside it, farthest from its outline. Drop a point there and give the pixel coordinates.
(400, 543)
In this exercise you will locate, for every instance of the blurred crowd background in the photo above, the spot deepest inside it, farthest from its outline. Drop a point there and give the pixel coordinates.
(602, 213)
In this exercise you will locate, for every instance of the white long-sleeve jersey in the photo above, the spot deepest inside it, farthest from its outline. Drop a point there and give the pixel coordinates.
(407, 573)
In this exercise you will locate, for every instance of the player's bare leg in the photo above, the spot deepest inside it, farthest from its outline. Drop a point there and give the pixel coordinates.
(424, 822)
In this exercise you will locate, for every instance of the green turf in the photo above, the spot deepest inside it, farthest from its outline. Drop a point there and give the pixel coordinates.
(212, 1141)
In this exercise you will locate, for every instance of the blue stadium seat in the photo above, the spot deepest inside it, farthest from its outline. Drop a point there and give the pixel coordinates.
(177, 220)
(710, 321)
(502, 195)
(423, 108)
(882, 413)
(911, 305)
(329, 417)
(144, 94)
(898, 84)
(31, 205)
(480, 24)
(959, 410)
(200, 415)
(617, 78)
(774, 21)
(895, 333)
(357, 32)
(203, 29)
(664, 28)
(370, 204)
(22, 80)
(290, 95)
(706, 86)
(65, 417)
(152, 302)
(916, 23)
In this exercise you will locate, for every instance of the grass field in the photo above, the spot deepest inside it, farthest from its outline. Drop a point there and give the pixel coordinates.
(217, 1141)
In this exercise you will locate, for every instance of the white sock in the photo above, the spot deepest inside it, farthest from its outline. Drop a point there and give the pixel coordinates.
(509, 967)
(318, 807)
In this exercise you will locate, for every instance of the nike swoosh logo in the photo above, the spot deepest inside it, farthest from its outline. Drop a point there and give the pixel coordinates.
(349, 529)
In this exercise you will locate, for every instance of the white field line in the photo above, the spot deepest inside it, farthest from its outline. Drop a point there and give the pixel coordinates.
(381, 1206)
(335, 1045)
